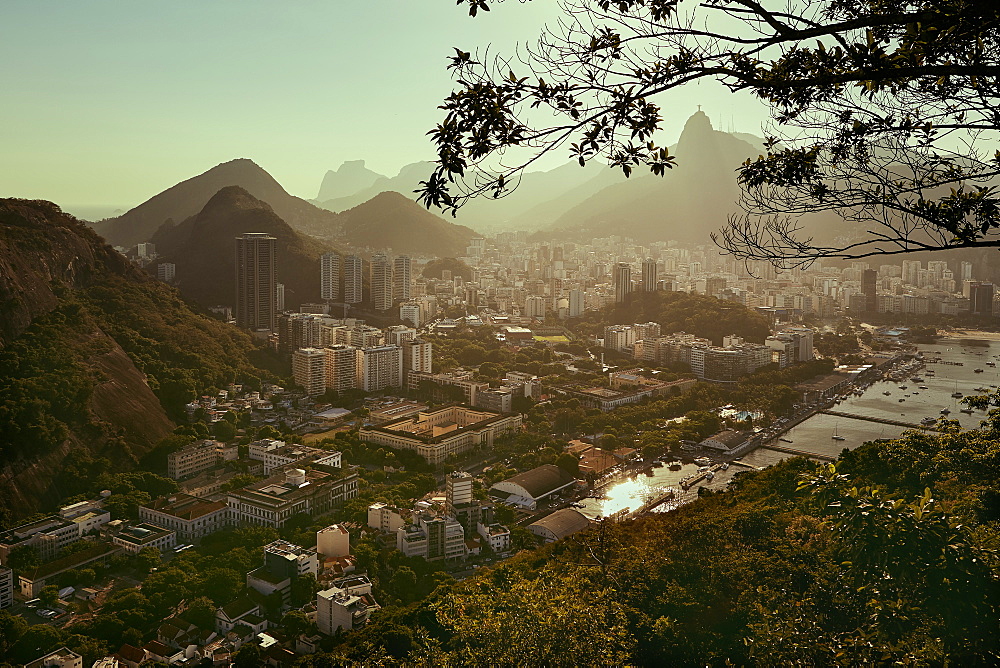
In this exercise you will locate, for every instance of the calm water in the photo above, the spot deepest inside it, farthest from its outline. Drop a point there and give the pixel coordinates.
(814, 435)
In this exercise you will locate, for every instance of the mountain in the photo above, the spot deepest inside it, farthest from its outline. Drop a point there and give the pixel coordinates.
(405, 183)
(391, 220)
(538, 200)
(350, 178)
(687, 204)
(96, 357)
(202, 247)
(188, 197)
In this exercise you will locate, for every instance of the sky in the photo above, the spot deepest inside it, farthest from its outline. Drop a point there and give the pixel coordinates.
(106, 103)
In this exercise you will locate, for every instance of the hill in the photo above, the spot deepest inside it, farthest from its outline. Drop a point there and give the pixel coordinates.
(202, 247)
(390, 220)
(187, 198)
(96, 358)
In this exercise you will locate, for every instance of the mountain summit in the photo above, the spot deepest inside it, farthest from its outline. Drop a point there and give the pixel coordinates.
(687, 204)
(188, 197)
(202, 248)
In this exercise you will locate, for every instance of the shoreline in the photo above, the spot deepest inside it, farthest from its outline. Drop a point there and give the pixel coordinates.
(970, 334)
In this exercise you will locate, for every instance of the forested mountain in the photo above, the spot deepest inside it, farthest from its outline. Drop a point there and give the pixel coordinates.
(202, 247)
(390, 220)
(187, 198)
(98, 358)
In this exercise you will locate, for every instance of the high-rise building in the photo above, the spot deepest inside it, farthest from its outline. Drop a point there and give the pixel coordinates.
(402, 268)
(341, 367)
(381, 282)
(649, 275)
(534, 307)
(309, 370)
(146, 250)
(623, 282)
(379, 367)
(279, 297)
(869, 282)
(255, 281)
(166, 271)
(966, 271)
(352, 270)
(911, 272)
(417, 356)
(981, 299)
(575, 303)
(410, 312)
(329, 276)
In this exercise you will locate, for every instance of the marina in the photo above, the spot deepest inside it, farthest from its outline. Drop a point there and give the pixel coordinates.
(864, 415)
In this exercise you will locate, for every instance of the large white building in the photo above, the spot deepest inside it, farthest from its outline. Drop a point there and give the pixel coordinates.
(196, 457)
(51, 534)
(436, 434)
(379, 367)
(272, 502)
(188, 516)
(434, 538)
(333, 541)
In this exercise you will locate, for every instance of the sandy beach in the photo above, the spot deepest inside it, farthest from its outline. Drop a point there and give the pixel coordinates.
(970, 334)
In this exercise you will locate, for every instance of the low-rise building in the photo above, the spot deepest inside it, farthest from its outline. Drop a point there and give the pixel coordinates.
(496, 536)
(385, 518)
(60, 658)
(436, 434)
(195, 458)
(32, 582)
(189, 516)
(274, 501)
(559, 525)
(725, 440)
(133, 538)
(237, 612)
(51, 534)
(283, 563)
(528, 488)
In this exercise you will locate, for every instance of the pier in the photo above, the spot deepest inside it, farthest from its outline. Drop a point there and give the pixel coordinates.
(800, 453)
(866, 418)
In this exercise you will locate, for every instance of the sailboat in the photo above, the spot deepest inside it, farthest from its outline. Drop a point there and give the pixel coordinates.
(836, 436)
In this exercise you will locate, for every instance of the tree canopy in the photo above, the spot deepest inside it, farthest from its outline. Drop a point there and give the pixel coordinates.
(882, 113)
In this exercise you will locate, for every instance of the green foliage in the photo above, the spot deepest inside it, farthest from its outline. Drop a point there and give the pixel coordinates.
(434, 268)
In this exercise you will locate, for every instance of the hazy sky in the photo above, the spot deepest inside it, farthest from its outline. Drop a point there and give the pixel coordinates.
(109, 102)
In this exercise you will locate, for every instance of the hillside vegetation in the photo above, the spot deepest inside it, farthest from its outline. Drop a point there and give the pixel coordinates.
(887, 558)
(107, 367)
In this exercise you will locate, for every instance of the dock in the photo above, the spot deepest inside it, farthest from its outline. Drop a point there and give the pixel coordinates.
(868, 418)
(800, 453)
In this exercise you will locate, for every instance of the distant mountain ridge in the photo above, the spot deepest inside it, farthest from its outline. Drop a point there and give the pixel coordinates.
(687, 204)
(202, 247)
(536, 202)
(188, 197)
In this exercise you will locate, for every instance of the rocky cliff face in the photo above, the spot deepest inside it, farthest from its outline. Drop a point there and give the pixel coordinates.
(43, 251)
